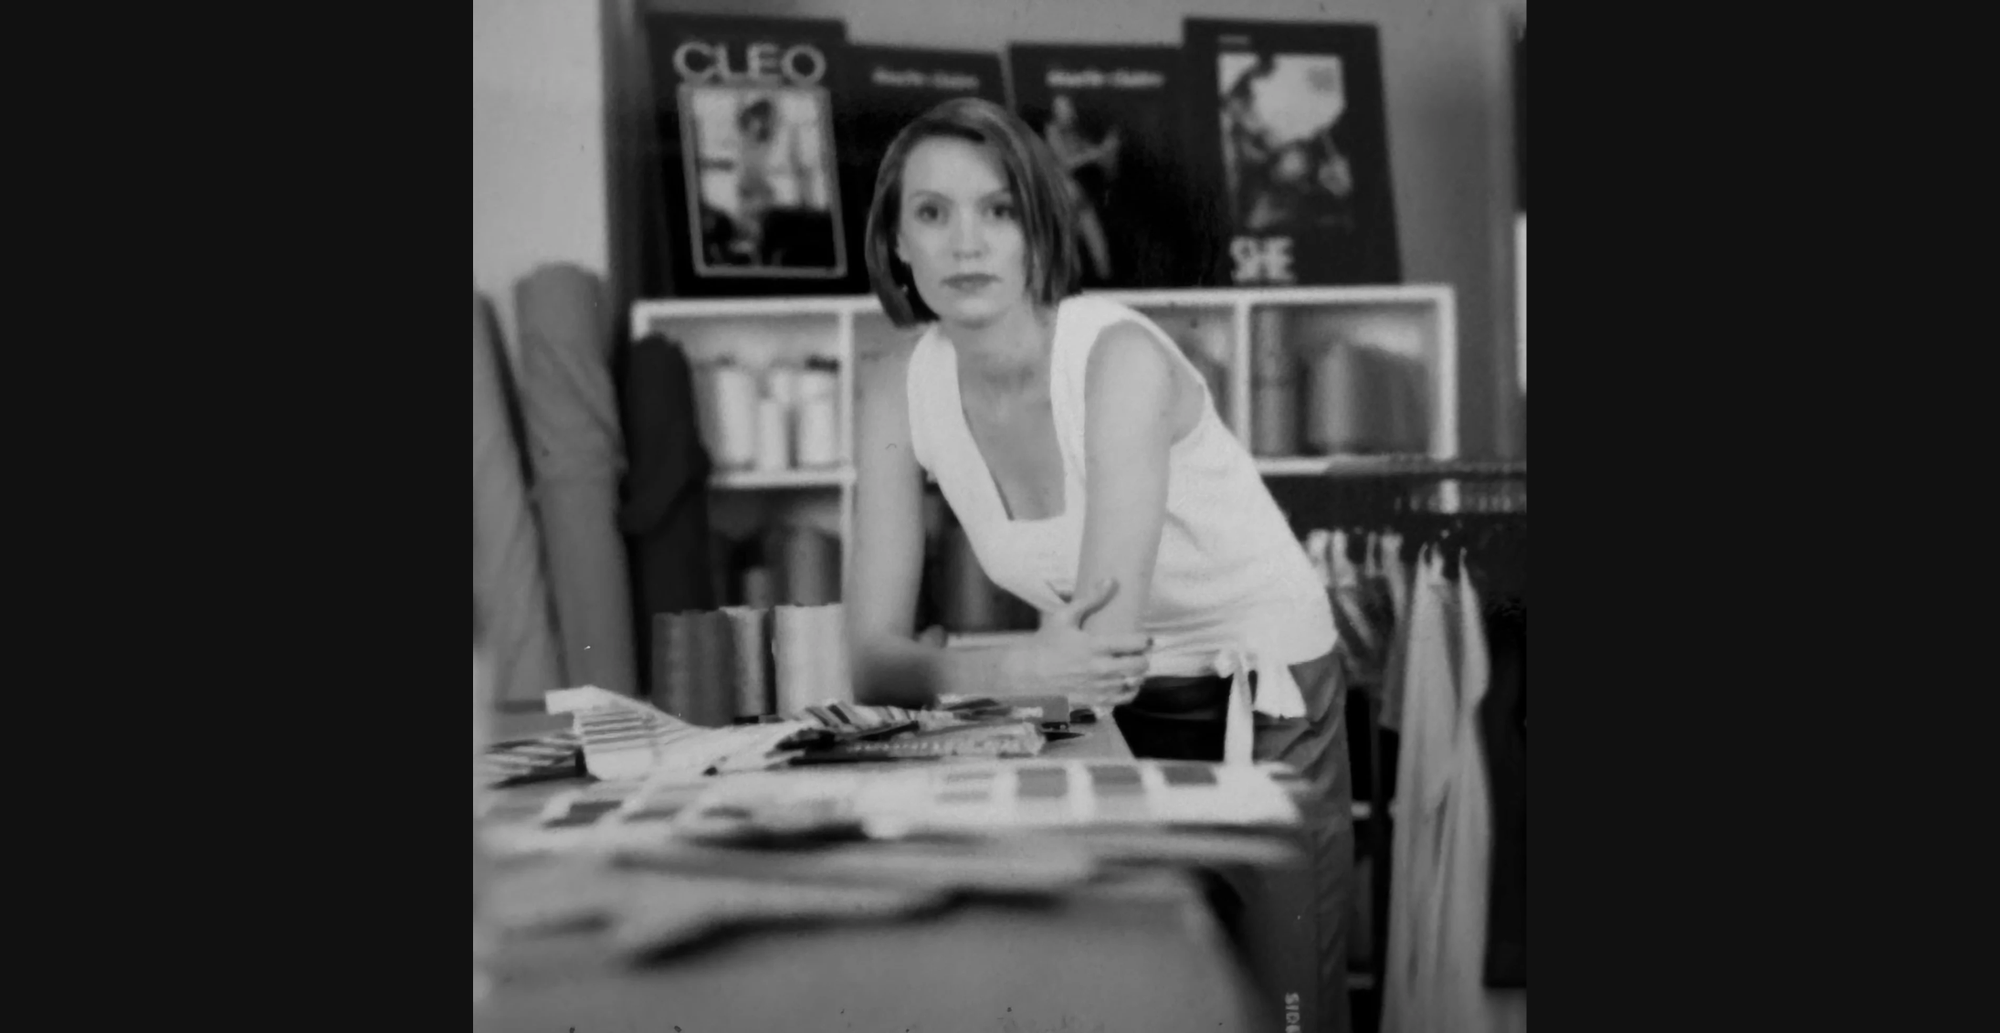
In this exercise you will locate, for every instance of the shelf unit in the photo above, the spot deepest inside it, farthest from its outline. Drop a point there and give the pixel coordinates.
(1414, 326)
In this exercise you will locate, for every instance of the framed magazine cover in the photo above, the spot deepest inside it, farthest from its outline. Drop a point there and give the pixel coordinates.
(1289, 135)
(1521, 117)
(1521, 205)
(747, 150)
(759, 161)
(1112, 115)
(887, 89)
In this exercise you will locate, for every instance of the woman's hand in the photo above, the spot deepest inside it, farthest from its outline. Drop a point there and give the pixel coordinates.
(1063, 659)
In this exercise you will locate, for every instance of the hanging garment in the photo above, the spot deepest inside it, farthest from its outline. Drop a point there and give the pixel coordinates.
(1345, 593)
(1415, 882)
(1378, 610)
(1437, 937)
(665, 512)
(1317, 545)
(1398, 578)
(577, 453)
(1362, 611)
(507, 580)
(1503, 726)
(1469, 1005)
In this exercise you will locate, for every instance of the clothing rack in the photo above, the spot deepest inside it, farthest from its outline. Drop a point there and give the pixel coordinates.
(1421, 468)
(1470, 506)
(1404, 486)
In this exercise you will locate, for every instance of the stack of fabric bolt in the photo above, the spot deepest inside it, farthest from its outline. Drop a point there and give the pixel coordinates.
(712, 667)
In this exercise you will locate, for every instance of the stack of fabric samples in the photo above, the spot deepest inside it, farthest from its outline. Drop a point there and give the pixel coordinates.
(712, 667)
(520, 761)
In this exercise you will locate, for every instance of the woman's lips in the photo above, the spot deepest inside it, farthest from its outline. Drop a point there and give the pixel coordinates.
(969, 281)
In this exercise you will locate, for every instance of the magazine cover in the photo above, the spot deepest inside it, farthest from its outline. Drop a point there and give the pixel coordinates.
(887, 89)
(745, 126)
(1112, 116)
(1291, 144)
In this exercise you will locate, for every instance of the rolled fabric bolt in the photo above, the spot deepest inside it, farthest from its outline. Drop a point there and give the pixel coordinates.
(1410, 413)
(1270, 357)
(818, 426)
(835, 680)
(508, 573)
(794, 648)
(782, 383)
(821, 382)
(576, 442)
(750, 627)
(760, 589)
(818, 382)
(816, 643)
(704, 671)
(732, 415)
(1274, 430)
(774, 435)
(1274, 380)
(714, 696)
(700, 667)
(1342, 413)
(673, 653)
(812, 566)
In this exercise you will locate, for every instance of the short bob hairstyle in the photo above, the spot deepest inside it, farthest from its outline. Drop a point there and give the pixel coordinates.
(1048, 221)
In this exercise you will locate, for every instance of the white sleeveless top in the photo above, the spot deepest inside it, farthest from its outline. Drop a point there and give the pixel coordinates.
(1232, 591)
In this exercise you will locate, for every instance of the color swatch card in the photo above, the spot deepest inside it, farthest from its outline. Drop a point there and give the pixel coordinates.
(1163, 799)
(518, 761)
(985, 740)
(986, 795)
(625, 738)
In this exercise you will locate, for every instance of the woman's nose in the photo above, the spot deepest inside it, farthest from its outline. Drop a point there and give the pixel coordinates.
(968, 237)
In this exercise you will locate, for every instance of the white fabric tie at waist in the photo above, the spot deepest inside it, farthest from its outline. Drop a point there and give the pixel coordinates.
(1277, 695)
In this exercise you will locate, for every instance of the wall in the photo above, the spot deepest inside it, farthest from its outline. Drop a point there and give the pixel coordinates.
(538, 143)
(539, 186)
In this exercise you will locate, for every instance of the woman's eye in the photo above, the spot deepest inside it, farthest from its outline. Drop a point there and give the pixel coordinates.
(929, 213)
(1004, 210)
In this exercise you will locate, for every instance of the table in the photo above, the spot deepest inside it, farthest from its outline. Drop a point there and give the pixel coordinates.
(1142, 954)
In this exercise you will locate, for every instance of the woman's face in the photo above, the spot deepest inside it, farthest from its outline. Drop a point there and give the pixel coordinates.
(959, 231)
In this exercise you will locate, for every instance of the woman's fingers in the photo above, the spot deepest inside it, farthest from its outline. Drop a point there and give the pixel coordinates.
(1119, 669)
(1121, 645)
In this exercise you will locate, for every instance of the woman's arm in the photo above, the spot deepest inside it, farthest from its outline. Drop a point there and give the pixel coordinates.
(887, 664)
(1137, 403)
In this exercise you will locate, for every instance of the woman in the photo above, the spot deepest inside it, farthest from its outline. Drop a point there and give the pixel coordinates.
(1080, 451)
(1083, 456)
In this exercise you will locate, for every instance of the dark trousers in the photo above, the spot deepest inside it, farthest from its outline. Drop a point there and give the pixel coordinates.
(1184, 719)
